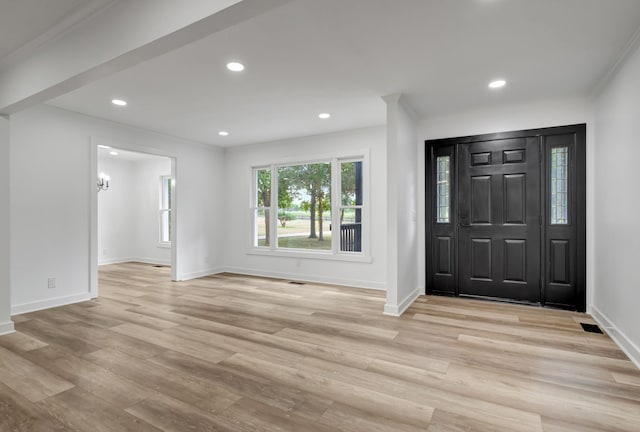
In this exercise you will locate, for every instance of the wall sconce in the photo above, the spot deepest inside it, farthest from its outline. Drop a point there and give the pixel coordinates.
(103, 182)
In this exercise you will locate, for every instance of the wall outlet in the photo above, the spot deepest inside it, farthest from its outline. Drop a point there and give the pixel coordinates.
(51, 283)
(104, 252)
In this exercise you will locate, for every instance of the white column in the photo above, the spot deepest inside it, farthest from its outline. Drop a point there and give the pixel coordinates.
(402, 185)
(6, 325)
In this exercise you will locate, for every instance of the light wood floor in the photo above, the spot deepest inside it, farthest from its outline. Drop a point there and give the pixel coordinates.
(233, 353)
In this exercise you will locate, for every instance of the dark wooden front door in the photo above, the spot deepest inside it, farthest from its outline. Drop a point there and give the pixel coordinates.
(499, 219)
(506, 218)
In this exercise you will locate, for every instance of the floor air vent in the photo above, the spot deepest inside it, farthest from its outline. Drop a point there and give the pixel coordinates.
(296, 283)
(591, 328)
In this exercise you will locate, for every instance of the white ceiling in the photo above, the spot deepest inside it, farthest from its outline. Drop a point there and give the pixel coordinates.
(340, 56)
(28, 22)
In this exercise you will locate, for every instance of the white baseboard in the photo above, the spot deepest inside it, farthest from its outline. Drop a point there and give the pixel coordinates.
(626, 345)
(398, 310)
(153, 261)
(201, 273)
(114, 261)
(6, 328)
(308, 278)
(49, 303)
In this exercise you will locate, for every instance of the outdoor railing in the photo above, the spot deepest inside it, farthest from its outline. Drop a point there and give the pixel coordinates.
(351, 237)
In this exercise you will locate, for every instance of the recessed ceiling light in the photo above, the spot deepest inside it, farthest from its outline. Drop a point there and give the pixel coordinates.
(497, 84)
(324, 116)
(223, 133)
(113, 153)
(119, 102)
(235, 67)
(102, 146)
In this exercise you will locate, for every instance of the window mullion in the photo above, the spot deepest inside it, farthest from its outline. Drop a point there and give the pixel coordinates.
(273, 210)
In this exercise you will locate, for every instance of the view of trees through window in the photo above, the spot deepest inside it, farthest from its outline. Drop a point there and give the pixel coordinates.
(304, 212)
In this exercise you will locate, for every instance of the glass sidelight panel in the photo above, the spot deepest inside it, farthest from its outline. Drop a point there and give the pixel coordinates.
(443, 189)
(559, 185)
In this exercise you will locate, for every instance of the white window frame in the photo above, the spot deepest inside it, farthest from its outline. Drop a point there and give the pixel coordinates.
(336, 203)
(255, 208)
(337, 186)
(162, 210)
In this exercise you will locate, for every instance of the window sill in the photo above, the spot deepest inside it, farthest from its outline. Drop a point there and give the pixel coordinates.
(327, 256)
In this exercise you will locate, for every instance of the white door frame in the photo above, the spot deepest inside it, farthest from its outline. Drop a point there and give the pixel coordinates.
(93, 223)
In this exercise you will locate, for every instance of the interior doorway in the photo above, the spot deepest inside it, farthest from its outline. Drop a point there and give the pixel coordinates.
(134, 210)
(506, 218)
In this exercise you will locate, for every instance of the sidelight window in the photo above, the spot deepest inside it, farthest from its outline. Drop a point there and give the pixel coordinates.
(559, 185)
(443, 191)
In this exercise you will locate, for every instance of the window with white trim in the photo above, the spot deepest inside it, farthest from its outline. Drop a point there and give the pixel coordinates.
(351, 206)
(262, 207)
(311, 206)
(166, 184)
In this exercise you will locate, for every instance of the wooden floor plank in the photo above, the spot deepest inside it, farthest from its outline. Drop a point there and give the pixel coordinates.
(28, 379)
(245, 354)
(375, 402)
(80, 411)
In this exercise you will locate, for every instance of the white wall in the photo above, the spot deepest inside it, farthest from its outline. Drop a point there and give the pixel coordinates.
(51, 187)
(511, 118)
(617, 235)
(402, 180)
(237, 222)
(147, 192)
(117, 218)
(6, 326)
(128, 218)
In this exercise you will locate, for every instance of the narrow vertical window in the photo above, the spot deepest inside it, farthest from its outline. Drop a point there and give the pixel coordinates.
(351, 206)
(443, 188)
(165, 209)
(559, 182)
(262, 214)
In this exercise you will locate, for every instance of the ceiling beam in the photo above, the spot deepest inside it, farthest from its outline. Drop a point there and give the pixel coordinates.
(120, 36)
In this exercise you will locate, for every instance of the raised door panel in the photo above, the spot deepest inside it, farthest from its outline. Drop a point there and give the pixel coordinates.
(560, 262)
(515, 198)
(443, 253)
(478, 159)
(481, 259)
(514, 156)
(515, 260)
(481, 200)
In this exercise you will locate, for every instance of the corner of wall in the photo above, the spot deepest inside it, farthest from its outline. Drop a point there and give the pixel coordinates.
(401, 307)
(618, 336)
(6, 328)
